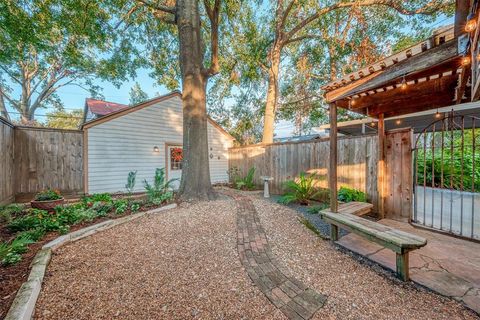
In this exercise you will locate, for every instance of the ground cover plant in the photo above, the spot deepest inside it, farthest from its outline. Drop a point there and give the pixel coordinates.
(347, 195)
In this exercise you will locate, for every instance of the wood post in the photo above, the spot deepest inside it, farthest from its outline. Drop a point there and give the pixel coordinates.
(332, 174)
(332, 170)
(402, 266)
(381, 166)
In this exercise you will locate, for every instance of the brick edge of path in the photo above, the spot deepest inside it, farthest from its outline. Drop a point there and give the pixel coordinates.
(291, 296)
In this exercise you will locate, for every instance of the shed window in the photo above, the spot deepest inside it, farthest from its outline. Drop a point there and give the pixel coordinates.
(176, 157)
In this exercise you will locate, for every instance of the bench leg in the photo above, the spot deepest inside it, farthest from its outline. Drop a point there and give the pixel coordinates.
(402, 266)
(333, 232)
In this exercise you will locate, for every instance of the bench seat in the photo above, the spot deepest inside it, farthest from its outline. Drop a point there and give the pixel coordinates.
(355, 207)
(396, 240)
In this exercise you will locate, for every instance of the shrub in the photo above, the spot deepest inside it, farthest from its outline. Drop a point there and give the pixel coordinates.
(246, 183)
(160, 191)
(131, 179)
(96, 197)
(102, 208)
(348, 195)
(300, 191)
(135, 206)
(120, 206)
(47, 195)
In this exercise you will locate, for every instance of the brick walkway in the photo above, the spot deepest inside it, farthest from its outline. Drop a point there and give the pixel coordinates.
(288, 294)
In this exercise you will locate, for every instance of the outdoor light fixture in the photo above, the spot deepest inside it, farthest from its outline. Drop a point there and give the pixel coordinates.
(471, 23)
(403, 86)
(156, 149)
(465, 60)
(352, 102)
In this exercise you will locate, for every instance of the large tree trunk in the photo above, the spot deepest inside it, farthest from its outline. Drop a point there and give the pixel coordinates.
(272, 97)
(195, 183)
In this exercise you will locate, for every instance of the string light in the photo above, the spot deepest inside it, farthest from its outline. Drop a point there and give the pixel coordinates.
(438, 115)
(403, 86)
(466, 60)
(471, 23)
(398, 122)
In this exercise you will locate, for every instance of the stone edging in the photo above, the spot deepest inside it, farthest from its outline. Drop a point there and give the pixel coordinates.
(23, 305)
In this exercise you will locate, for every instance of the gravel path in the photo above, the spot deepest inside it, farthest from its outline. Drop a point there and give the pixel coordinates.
(184, 264)
(354, 289)
(175, 265)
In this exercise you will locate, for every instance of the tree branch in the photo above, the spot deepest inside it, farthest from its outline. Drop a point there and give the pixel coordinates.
(429, 8)
(213, 16)
(287, 12)
(159, 7)
(10, 74)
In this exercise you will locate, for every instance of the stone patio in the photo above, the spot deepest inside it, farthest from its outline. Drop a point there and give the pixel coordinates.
(447, 265)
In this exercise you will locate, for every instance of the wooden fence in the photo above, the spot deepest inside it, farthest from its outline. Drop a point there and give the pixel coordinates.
(7, 191)
(357, 162)
(48, 158)
(33, 159)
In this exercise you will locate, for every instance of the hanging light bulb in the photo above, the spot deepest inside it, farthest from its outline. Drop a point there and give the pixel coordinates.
(465, 60)
(438, 115)
(398, 122)
(471, 24)
(403, 86)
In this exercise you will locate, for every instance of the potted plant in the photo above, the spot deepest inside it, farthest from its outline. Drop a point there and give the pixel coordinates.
(47, 200)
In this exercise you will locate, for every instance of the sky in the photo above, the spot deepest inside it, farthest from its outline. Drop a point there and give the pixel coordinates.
(74, 97)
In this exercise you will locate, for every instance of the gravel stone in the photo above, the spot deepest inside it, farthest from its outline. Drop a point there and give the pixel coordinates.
(180, 264)
(184, 264)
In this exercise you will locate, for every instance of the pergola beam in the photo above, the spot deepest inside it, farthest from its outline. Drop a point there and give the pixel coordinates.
(428, 59)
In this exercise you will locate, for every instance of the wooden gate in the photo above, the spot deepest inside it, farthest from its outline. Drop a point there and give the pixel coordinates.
(398, 174)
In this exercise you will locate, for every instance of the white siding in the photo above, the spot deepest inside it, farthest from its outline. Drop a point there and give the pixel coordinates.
(126, 143)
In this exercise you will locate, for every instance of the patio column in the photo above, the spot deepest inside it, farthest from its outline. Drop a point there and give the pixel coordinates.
(332, 171)
(381, 166)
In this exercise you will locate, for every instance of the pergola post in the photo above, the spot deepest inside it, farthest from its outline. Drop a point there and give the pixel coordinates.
(333, 159)
(381, 166)
(332, 170)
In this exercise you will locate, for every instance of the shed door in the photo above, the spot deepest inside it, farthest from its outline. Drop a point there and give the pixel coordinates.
(174, 164)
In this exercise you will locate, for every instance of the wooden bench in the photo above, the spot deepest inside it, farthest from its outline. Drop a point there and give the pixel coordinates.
(398, 241)
(356, 208)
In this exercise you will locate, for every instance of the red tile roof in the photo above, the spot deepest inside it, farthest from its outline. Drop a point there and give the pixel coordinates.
(102, 108)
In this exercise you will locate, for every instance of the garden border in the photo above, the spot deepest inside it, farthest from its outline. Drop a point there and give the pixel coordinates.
(23, 305)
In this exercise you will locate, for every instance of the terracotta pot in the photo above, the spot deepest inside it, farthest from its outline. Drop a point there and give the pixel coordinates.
(48, 205)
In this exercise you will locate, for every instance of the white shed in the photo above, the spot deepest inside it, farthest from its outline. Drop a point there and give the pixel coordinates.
(142, 138)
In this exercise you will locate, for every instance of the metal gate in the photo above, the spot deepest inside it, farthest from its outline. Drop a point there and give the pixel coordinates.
(447, 175)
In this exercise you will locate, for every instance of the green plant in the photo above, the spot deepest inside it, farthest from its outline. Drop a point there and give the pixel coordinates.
(347, 195)
(48, 195)
(7, 212)
(102, 208)
(246, 183)
(120, 206)
(131, 179)
(161, 188)
(96, 197)
(233, 174)
(300, 191)
(135, 206)
(10, 253)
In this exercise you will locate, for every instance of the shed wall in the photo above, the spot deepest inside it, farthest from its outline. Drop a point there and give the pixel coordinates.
(125, 144)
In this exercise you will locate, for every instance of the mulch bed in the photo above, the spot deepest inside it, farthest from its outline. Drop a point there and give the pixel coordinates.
(13, 276)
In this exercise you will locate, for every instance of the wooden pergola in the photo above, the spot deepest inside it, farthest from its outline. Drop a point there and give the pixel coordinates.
(437, 72)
